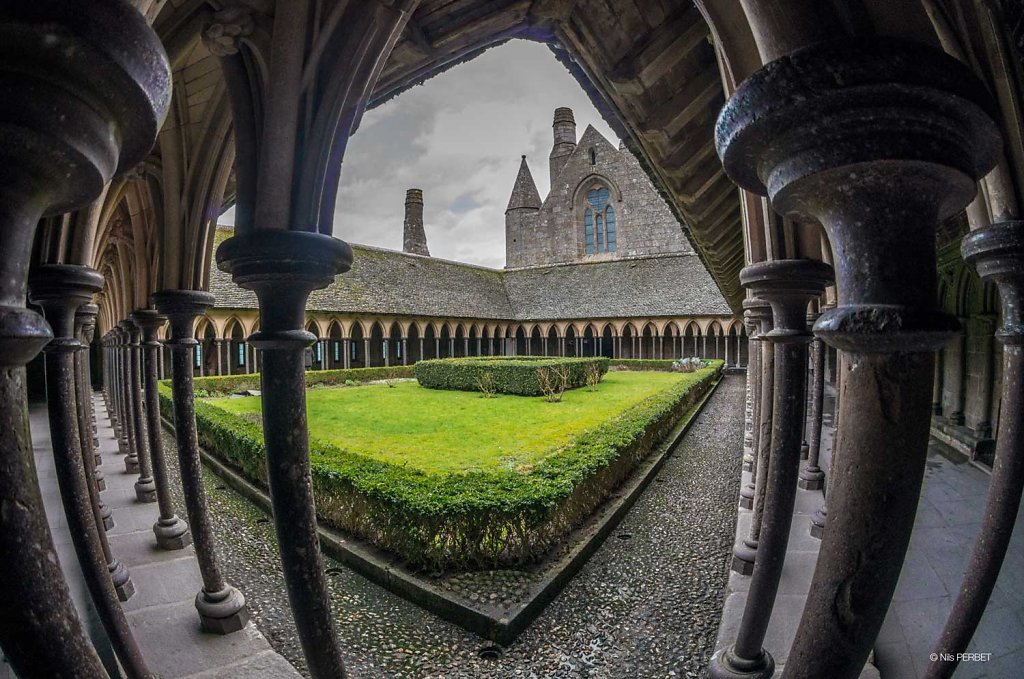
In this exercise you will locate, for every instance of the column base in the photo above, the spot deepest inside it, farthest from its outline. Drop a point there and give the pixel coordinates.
(747, 496)
(107, 516)
(97, 458)
(725, 665)
(172, 534)
(145, 490)
(222, 612)
(743, 556)
(131, 464)
(805, 450)
(748, 459)
(122, 580)
(100, 480)
(811, 478)
(818, 523)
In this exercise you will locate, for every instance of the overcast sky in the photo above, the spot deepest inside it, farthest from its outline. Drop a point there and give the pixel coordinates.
(459, 137)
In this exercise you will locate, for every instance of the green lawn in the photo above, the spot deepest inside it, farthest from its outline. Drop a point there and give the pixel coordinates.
(437, 430)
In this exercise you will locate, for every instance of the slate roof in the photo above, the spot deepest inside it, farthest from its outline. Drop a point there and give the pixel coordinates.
(390, 282)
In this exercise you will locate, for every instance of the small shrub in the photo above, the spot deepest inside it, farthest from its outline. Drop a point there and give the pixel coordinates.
(485, 383)
(553, 380)
(351, 383)
(593, 377)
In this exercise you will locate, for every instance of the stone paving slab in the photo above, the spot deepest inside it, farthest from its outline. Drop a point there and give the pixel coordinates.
(946, 525)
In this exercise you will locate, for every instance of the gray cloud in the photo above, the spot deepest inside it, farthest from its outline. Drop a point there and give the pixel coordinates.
(458, 137)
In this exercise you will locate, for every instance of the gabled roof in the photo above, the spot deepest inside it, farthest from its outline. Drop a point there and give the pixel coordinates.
(396, 283)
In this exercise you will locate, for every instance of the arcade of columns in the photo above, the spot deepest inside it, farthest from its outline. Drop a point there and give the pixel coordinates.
(874, 128)
(350, 342)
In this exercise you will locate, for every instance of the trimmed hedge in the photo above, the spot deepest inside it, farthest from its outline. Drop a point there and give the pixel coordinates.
(661, 365)
(480, 519)
(225, 385)
(509, 374)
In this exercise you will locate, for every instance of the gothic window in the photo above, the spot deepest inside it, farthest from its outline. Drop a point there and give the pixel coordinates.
(599, 222)
(337, 352)
(241, 353)
(199, 355)
(593, 157)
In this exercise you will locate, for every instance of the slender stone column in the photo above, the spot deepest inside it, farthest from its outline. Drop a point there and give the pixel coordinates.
(745, 552)
(59, 289)
(170, 530)
(811, 476)
(129, 434)
(217, 345)
(788, 285)
(820, 517)
(85, 322)
(751, 406)
(908, 131)
(282, 268)
(937, 385)
(998, 253)
(145, 487)
(221, 607)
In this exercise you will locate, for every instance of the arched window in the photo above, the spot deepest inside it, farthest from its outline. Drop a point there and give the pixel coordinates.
(599, 230)
(593, 157)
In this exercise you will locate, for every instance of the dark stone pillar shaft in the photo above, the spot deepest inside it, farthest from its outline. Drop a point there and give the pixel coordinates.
(788, 285)
(119, 575)
(998, 253)
(60, 290)
(811, 476)
(129, 437)
(40, 632)
(221, 607)
(145, 487)
(283, 267)
(745, 553)
(170, 530)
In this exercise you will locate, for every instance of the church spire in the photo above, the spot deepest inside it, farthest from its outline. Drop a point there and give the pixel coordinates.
(524, 192)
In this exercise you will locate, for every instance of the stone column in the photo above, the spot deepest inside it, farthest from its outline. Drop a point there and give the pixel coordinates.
(282, 268)
(59, 289)
(745, 552)
(85, 321)
(170, 530)
(937, 382)
(788, 285)
(405, 350)
(145, 487)
(998, 253)
(909, 132)
(956, 361)
(758, 313)
(131, 460)
(705, 346)
(221, 607)
(217, 345)
(811, 476)
(983, 425)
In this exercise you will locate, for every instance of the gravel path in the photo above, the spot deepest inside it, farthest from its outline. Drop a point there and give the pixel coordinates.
(646, 605)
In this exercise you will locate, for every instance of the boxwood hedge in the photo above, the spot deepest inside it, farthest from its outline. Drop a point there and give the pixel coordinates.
(479, 519)
(225, 385)
(509, 375)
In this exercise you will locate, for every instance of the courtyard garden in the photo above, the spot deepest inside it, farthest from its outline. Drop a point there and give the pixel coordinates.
(451, 477)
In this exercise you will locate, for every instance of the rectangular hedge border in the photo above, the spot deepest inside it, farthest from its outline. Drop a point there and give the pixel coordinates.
(463, 520)
(509, 375)
(658, 364)
(225, 385)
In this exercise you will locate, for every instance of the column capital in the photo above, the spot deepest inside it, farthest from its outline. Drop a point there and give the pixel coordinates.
(788, 285)
(60, 289)
(182, 307)
(997, 251)
(862, 135)
(149, 320)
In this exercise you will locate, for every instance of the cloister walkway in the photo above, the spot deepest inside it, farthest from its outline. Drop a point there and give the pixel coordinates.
(162, 611)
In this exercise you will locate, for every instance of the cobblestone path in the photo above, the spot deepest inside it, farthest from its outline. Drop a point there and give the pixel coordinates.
(646, 605)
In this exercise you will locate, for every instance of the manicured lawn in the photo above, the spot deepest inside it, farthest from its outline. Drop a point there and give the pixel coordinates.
(438, 431)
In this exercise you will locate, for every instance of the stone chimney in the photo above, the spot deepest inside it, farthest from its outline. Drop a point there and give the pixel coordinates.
(415, 238)
(564, 129)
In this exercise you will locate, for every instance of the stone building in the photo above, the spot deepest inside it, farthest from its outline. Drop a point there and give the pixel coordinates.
(600, 267)
(850, 174)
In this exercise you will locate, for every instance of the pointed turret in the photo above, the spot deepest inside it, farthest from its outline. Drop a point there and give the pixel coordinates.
(415, 238)
(524, 191)
(520, 215)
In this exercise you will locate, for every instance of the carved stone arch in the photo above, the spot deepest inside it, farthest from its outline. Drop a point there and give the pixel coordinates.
(593, 180)
(313, 326)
